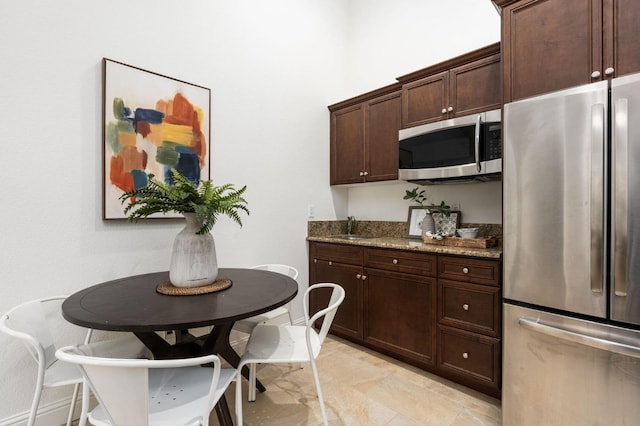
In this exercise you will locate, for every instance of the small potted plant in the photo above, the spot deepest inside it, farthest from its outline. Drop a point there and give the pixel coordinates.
(193, 259)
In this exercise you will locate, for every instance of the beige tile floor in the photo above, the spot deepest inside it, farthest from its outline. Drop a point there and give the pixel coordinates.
(362, 387)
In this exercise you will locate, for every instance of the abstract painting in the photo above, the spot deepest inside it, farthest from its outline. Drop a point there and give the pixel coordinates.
(151, 123)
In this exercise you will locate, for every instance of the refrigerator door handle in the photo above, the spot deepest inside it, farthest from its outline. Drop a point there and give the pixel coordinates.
(620, 205)
(582, 339)
(477, 142)
(597, 197)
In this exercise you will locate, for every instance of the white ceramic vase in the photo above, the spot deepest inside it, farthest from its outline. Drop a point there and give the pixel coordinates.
(428, 224)
(193, 259)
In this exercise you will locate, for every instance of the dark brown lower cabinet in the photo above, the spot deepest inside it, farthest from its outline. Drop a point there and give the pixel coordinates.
(441, 313)
(399, 318)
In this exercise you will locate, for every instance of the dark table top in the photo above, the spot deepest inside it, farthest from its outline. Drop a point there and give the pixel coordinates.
(132, 303)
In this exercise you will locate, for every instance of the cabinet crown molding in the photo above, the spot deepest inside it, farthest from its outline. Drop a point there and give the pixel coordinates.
(483, 52)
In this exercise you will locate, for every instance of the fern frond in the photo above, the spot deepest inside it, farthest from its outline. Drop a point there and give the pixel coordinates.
(206, 200)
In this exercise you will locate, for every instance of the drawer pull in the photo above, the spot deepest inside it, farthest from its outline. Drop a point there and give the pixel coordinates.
(315, 260)
(465, 355)
(359, 276)
(364, 277)
(395, 261)
(465, 307)
(330, 263)
(465, 270)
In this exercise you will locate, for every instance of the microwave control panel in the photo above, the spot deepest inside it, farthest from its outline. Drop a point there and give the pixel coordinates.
(493, 141)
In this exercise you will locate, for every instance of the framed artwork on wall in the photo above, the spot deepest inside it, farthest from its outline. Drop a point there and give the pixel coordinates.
(151, 123)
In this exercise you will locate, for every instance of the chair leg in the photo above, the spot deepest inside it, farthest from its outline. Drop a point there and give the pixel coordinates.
(34, 406)
(239, 397)
(319, 390)
(72, 408)
(85, 405)
(252, 382)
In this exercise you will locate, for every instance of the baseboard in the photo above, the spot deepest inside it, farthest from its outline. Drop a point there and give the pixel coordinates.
(52, 414)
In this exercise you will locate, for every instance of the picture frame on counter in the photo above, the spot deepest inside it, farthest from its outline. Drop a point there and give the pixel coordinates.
(416, 215)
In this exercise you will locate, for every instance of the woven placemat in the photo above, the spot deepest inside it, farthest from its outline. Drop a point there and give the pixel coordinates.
(171, 290)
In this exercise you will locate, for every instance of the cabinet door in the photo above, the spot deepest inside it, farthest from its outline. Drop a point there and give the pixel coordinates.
(550, 45)
(348, 320)
(347, 145)
(425, 100)
(400, 315)
(476, 87)
(383, 121)
(621, 37)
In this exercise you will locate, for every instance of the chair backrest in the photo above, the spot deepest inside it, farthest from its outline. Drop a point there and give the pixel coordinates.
(279, 268)
(32, 322)
(121, 386)
(336, 298)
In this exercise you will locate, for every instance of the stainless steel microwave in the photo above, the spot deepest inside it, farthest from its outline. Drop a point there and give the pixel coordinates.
(460, 149)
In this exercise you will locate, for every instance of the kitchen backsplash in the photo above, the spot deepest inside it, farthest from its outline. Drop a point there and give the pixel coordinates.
(388, 229)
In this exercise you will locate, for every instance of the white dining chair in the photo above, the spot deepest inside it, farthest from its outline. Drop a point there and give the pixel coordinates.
(276, 315)
(34, 323)
(144, 392)
(290, 344)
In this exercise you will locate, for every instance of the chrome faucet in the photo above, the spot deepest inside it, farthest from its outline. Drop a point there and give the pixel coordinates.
(351, 220)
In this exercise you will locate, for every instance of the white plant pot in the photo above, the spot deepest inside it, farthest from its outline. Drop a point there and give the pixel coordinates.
(193, 259)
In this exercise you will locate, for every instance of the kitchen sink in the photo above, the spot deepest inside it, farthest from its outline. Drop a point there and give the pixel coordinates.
(352, 237)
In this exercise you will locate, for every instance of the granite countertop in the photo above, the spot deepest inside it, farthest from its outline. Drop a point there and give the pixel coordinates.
(390, 235)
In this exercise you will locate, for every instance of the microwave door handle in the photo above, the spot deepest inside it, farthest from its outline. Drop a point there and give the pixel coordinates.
(477, 143)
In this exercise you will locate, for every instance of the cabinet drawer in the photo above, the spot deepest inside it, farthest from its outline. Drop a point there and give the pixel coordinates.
(337, 253)
(478, 271)
(472, 355)
(401, 261)
(470, 307)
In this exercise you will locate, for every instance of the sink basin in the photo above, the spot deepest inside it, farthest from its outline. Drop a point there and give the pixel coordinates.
(352, 237)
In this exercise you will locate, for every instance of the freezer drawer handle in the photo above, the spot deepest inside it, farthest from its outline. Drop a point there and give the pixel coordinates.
(570, 336)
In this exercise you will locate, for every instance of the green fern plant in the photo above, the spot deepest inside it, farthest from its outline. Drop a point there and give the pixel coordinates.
(206, 200)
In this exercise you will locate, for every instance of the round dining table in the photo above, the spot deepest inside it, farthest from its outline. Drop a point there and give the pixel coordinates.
(132, 304)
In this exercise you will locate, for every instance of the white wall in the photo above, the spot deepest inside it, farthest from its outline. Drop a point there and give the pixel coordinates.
(272, 67)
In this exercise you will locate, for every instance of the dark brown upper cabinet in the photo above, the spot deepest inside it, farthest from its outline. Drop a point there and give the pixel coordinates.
(463, 85)
(551, 45)
(364, 137)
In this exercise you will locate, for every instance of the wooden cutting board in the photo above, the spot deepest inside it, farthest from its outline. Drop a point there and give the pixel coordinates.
(484, 242)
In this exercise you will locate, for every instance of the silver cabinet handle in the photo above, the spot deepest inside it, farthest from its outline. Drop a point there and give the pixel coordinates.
(361, 173)
(465, 270)
(465, 355)
(330, 263)
(359, 276)
(583, 339)
(315, 260)
(366, 173)
(597, 196)
(595, 74)
(609, 71)
(465, 307)
(450, 109)
(444, 110)
(394, 261)
(620, 205)
(364, 277)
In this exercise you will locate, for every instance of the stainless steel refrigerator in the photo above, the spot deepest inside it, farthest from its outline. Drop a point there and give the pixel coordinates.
(571, 175)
